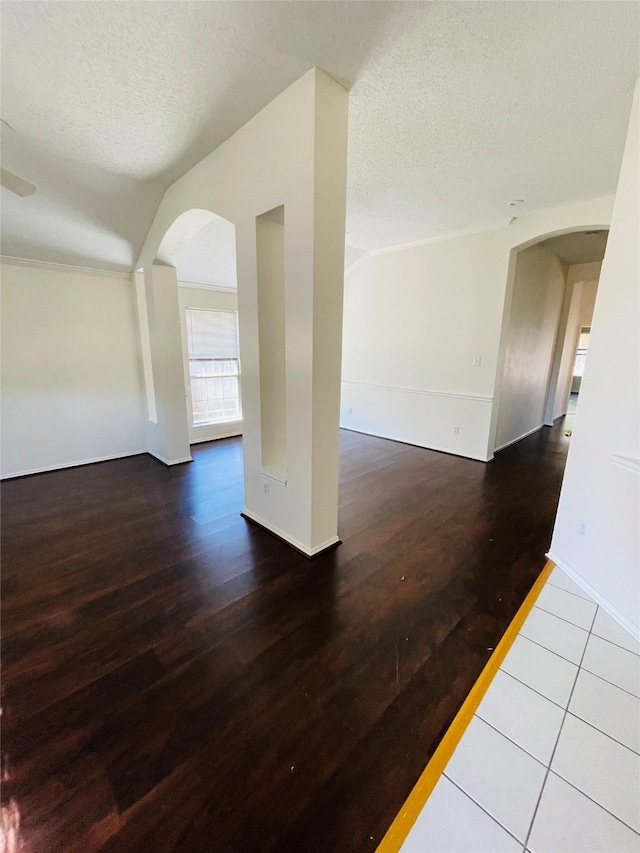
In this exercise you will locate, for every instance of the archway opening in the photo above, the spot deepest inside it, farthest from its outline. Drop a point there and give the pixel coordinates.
(550, 299)
(201, 246)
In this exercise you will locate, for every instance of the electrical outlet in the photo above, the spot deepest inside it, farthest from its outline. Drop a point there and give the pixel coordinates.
(477, 360)
(349, 411)
(456, 430)
(266, 488)
(584, 528)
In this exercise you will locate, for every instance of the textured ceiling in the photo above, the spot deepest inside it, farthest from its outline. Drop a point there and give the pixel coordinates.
(583, 247)
(455, 109)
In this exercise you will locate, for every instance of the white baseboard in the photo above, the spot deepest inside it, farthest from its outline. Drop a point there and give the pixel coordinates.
(334, 540)
(215, 437)
(169, 461)
(519, 438)
(44, 470)
(599, 599)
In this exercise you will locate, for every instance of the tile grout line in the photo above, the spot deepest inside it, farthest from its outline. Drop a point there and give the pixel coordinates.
(595, 802)
(595, 634)
(506, 737)
(577, 594)
(571, 713)
(605, 734)
(606, 680)
(565, 620)
(546, 775)
(561, 618)
(590, 600)
(617, 645)
(580, 666)
(524, 684)
(482, 808)
(557, 654)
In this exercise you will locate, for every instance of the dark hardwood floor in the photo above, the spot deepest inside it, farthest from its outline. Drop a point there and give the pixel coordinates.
(176, 679)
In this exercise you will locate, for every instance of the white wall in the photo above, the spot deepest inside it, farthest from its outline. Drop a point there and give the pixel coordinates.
(212, 300)
(536, 300)
(417, 318)
(596, 532)
(414, 320)
(71, 374)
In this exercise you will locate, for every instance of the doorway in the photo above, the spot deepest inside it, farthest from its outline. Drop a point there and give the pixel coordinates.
(552, 302)
(581, 359)
(202, 248)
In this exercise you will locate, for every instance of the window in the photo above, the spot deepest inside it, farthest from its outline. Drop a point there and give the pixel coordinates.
(214, 366)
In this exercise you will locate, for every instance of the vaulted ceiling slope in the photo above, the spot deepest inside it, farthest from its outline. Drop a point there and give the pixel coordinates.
(455, 109)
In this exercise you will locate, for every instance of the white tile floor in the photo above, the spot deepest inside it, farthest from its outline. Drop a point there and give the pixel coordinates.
(550, 763)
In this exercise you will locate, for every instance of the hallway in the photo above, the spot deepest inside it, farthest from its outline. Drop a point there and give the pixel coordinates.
(178, 679)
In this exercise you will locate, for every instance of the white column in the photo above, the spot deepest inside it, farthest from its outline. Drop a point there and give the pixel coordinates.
(162, 355)
(290, 291)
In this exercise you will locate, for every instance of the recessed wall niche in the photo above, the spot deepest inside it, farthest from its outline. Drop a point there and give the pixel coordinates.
(272, 339)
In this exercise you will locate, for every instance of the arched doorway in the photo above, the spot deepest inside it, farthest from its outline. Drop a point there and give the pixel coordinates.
(202, 248)
(550, 297)
(193, 269)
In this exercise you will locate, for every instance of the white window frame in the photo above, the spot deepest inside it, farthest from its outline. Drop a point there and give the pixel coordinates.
(212, 375)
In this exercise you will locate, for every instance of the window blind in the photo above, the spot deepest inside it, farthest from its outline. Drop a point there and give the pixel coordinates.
(212, 334)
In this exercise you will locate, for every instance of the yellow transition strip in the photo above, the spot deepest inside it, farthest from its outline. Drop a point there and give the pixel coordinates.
(406, 817)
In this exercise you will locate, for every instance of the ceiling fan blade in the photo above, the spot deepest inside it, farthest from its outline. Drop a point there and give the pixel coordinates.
(17, 185)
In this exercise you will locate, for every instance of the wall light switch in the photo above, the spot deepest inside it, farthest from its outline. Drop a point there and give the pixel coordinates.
(477, 360)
